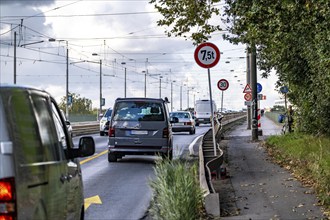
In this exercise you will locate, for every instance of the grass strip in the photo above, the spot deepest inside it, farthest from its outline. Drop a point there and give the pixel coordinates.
(308, 157)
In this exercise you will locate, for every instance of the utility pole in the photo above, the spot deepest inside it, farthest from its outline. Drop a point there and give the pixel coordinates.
(180, 97)
(67, 82)
(253, 67)
(248, 81)
(15, 57)
(100, 87)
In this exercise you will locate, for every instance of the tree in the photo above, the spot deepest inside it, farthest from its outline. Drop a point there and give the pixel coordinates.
(80, 105)
(292, 38)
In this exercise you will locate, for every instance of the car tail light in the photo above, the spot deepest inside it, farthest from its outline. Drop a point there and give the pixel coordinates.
(188, 123)
(165, 133)
(7, 199)
(111, 132)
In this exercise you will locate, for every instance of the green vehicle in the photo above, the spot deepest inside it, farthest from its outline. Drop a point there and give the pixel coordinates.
(40, 176)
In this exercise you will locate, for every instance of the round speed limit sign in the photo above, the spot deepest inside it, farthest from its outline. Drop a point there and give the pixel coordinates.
(223, 84)
(207, 55)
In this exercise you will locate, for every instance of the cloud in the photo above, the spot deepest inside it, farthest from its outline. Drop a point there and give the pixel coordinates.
(116, 33)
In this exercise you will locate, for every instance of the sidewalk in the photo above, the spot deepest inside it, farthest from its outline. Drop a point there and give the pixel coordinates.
(255, 188)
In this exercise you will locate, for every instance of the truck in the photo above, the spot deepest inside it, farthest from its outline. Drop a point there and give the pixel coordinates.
(203, 111)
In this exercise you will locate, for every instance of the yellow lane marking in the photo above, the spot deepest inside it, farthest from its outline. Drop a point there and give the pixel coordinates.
(93, 157)
(92, 200)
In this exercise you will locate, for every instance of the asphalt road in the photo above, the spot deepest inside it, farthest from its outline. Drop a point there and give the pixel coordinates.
(121, 190)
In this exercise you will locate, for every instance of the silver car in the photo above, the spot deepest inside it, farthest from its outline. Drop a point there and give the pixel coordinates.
(140, 126)
(104, 122)
(186, 122)
(40, 176)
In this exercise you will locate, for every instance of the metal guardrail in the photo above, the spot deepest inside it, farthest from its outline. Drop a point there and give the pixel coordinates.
(209, 163)
(82, 128)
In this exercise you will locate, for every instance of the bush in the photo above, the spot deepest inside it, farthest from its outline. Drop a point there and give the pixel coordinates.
(177, 194)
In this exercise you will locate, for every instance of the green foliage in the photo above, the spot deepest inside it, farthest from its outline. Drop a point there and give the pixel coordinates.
(80, 105)
(177, 194)
(292, 38)
(308, 156)
(188, 19)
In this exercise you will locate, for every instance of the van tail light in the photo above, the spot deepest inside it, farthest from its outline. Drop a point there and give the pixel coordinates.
(111, 132)
(188, 123)
(165, 133)
(7, 199)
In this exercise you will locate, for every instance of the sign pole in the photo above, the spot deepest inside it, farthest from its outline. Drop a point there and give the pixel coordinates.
(221, 101)
(212, 113)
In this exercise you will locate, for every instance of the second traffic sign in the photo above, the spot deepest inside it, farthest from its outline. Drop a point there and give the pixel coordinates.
(223, 84)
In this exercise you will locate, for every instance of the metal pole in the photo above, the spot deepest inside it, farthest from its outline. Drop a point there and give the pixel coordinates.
(187, 98)
(145, 84)
(212, 113)
(253, 66)
(67, 82)
(221, 101)
(160, 87)
(181, 97)
(171, 96)
(125, 83)
(248, 81)
(100, 87)
(15, 57)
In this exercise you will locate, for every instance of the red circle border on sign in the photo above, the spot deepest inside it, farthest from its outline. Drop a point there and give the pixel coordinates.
(221, 81)
(217, 51)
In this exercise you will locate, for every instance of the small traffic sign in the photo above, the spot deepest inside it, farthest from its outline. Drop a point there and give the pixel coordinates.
(207, 55)
(223, 84)
(259, 97)
(247, 89)
(259, 87)
(248, 96)
(284, 89)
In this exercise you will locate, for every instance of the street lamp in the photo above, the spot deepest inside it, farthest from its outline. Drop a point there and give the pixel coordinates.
(101, 100)
(67, 77)
(160, 86)
(123, 63)
(172, 94)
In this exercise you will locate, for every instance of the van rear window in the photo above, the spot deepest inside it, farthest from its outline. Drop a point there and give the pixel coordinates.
(138, 111)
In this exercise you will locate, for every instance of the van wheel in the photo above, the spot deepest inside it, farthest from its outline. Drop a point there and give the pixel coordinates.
(197, 124)
(101, 133)
(112, 158)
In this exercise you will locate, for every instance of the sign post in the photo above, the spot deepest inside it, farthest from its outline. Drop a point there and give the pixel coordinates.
(207, 55)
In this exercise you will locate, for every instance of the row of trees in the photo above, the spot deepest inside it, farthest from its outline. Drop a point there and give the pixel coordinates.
(80, 105)
(292, 39)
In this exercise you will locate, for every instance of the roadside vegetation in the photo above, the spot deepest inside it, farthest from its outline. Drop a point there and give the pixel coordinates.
(308, 157)
(176, 191)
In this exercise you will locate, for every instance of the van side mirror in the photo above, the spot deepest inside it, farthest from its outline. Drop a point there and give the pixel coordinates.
(86, 148)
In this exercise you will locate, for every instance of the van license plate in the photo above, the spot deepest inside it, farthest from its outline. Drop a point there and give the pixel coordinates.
(139, 132)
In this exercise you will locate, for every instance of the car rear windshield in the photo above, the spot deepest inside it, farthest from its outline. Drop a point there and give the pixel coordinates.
(180, 114)
(138, 111)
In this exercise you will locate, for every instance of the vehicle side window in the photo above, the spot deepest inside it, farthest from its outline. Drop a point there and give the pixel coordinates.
(25, 128)
(48, 132)
(59, 127)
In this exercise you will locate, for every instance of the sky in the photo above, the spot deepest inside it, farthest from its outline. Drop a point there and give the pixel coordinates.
(109, 38)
